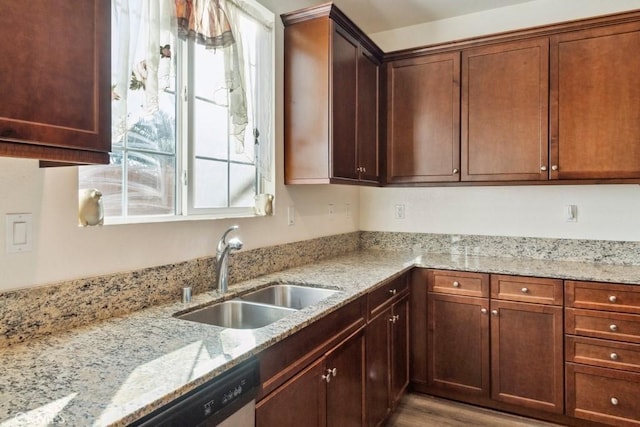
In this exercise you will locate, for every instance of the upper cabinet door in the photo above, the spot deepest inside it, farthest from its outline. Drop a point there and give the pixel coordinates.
(423, 125)
(55, 81)
(368, 107)
(595, 103)
(343, 107)
(505, 111)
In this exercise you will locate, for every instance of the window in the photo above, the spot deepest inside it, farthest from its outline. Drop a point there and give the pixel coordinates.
(186, 140)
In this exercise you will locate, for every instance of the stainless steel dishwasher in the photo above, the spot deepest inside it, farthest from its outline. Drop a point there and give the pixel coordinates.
(227, 400)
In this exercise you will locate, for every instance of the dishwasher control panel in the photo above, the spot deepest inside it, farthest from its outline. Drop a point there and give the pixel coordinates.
(210, 403)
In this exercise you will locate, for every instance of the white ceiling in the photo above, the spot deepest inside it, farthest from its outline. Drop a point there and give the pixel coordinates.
(373, 16)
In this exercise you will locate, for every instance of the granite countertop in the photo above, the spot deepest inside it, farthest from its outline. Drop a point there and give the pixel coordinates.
(116, 371)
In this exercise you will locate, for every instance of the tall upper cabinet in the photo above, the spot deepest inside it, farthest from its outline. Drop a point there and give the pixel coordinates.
(331, 108)
(55, 81)
(595, 103)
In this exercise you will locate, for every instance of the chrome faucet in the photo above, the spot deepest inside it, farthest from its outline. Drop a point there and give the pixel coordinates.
(222, 258)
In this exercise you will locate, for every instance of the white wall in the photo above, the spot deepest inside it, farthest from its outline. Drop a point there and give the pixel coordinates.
(522, 15)
(63, 251)
(605, 212)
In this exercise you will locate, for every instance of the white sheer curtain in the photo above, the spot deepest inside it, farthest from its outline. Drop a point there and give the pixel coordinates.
(255, 65)
(143, 38)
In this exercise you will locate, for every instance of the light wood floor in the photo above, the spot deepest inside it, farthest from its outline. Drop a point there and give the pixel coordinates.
(416, 410)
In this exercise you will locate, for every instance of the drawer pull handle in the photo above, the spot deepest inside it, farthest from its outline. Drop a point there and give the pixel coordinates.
(613, 328)
(494, 312)
(614, 401)
(456, 284)
(392, 292)
(483, 310)
(614, 356)
(613, 298)
(525, 290)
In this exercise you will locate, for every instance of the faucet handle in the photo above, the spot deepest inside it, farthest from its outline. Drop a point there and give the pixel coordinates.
(223, 240)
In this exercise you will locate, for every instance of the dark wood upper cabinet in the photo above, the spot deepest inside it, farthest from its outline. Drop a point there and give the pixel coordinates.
(505, 112)
(595, 103)
(331, 99)
(423, 119)
(55, 81)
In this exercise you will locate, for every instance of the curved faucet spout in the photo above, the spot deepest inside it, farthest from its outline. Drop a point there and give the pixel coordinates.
(223, 240)
(222, 258)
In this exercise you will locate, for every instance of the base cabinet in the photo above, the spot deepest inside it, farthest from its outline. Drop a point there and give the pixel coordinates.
(602, 351)
(458, 342)
(387, 364)
(327, 393)
(306, 392)
(526, 355)
(494, 340)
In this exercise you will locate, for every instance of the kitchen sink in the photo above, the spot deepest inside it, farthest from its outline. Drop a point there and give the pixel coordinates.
(237, 314)
(288, 295)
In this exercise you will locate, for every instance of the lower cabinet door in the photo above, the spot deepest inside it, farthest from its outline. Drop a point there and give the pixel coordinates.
(345, 391)
(378, 366)
(399, 350)
(298, 402)
(458, 345)
(604, 395)
(527, 355)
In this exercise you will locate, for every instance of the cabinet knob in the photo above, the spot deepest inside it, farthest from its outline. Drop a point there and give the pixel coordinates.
(392, 319)
(554, 167)
(455, 171)
(543, 168)
(613, 298)
(364, 170)
(614, 401)
(483, 310)
(330, 373)
(456, 284)
(392, 292)
(613, 328)
(614, 356)
(494, 312)
(525, 290)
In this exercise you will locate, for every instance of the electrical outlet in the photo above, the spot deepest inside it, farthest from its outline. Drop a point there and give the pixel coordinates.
(400, 211)
(291, 215)
(571, 213)
(331, 211)
(347, 210)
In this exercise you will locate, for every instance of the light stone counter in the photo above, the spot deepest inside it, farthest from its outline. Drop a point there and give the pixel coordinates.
(115, 371)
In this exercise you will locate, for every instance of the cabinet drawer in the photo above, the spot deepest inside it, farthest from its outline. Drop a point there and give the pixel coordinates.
(605, 353)
(385, 293)
(603, 296)
(526, 289)
(602, 324)
(459, 283)
(603, 395)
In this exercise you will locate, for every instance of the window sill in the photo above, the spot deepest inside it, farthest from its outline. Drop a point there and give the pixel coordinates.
(179, 218)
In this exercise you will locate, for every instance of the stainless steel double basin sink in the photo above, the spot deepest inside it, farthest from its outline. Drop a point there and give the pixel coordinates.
(259, 308)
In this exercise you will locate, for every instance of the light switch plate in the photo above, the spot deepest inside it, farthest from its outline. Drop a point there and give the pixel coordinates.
(19, 232)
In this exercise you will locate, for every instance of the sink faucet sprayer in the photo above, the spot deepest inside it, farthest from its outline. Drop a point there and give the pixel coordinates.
(222, 258)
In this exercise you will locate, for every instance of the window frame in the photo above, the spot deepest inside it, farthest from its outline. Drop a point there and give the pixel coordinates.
(184, 184)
